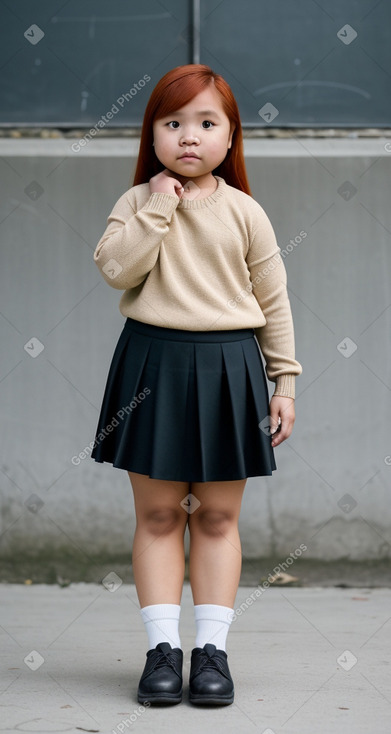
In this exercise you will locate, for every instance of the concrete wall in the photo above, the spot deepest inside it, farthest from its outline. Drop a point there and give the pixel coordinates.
(332, 488)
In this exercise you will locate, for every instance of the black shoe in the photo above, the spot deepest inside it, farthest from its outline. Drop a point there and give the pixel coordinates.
(161, 681)
(210, 680)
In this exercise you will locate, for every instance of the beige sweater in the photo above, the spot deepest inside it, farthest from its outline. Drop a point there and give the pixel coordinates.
(202, 264)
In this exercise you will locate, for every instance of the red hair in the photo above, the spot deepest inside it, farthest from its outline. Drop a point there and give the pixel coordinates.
(175, 90)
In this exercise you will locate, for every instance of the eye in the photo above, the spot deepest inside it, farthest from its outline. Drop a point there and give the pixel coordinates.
(209, 123)
(173, 121)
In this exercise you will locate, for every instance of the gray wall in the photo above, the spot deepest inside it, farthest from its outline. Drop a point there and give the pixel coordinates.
(332, 487)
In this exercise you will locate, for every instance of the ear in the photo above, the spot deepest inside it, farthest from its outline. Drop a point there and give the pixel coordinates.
(232, 129)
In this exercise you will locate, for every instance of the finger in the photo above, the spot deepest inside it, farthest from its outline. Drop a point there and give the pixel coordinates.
(274, 420)
(285, 430)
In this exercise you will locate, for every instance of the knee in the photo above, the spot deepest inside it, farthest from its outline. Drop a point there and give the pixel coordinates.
(212, 522)
(163, 520)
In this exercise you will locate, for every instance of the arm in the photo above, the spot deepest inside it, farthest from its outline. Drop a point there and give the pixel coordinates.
(269, 280)
(129, 247)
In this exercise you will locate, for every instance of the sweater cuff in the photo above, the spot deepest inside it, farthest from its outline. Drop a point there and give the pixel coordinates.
(285, 386)
(162, 203)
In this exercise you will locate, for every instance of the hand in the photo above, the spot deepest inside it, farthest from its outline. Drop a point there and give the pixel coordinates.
(283, 408)
(164, 183)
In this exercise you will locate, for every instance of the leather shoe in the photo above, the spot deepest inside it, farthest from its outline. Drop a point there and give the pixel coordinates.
(210, 680)
(161, 681)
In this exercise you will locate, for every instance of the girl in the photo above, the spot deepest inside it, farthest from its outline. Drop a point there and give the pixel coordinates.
(185, 410)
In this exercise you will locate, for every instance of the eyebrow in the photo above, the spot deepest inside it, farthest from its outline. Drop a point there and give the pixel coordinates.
(201, 112)
(209, 112)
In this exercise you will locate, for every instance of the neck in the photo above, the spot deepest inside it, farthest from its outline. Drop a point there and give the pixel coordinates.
(207, 181)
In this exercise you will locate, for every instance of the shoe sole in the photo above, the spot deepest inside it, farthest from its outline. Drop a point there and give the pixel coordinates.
(210, 699)
(160, 697)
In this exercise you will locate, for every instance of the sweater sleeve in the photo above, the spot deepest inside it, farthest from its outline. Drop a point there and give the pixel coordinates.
(269, 280)
(129, 247)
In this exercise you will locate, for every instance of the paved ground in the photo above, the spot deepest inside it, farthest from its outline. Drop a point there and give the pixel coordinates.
(312, 659)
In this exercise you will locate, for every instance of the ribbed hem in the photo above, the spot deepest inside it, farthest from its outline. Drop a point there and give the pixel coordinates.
(163, 203)
(154, 612)
(207, 200)
(285, 386)
(213, 612)
(166, 203)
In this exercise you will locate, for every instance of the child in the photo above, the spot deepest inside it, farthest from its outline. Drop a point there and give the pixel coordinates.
(185, 410)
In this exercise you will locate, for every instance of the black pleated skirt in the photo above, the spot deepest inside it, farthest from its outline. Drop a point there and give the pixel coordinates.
(185, 405)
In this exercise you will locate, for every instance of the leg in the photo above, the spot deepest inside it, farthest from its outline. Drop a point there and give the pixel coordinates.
(158, 556)
(215, 564)
(215, 559)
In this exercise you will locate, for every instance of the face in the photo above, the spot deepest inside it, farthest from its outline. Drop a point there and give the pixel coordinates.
(201, 128)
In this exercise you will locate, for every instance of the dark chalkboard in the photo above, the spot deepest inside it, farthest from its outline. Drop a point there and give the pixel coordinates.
(319, 63)
(290, 63)
(95, 56)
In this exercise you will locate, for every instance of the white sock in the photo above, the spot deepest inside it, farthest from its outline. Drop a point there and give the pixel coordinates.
(212, 622)
(161, 623)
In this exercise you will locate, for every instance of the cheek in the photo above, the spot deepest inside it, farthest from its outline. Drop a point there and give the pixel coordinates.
(164, 144)
(218, 147)
(159, 150)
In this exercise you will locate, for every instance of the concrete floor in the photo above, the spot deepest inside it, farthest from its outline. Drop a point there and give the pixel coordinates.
(313, 660)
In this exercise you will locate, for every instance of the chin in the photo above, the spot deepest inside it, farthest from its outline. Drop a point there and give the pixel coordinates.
(181, 173)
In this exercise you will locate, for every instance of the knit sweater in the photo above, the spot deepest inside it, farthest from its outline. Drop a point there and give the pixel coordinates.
(202, 264)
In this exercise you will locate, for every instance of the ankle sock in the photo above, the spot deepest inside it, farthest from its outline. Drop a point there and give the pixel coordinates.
(161, 623)
(212, 624)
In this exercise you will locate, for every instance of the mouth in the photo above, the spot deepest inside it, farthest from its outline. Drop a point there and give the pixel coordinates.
(189, 155)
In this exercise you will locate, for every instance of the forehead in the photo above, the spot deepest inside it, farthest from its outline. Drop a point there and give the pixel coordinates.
(207, 100)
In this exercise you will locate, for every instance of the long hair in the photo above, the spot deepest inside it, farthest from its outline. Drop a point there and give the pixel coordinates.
(175, 90)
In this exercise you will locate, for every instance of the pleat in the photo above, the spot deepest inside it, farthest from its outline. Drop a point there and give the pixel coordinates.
(258, 400)
(104, 446)
(211, 436)
(123, 384)
(114, 372)
(131, 379)
(171, 363)
(235, 397)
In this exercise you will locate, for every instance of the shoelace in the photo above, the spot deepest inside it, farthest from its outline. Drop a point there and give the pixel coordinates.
(165, 658)
(211, 663)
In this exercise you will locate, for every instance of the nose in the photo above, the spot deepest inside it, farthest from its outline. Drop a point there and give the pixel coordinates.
(188, 138)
